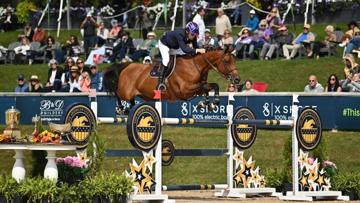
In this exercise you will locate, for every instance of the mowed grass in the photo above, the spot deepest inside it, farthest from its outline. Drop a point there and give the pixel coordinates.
(282, 76)
(267, 152)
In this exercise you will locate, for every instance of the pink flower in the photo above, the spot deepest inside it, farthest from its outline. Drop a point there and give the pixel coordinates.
(330, 164)
(310, 160)
(68, 160)
(77, 163)
(59, 160)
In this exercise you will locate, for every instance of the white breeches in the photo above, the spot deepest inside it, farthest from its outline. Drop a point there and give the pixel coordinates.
(166, 52)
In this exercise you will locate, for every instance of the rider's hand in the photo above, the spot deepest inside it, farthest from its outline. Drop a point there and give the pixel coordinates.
(201, 51)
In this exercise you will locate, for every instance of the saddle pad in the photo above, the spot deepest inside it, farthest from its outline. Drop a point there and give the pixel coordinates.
(155, 70)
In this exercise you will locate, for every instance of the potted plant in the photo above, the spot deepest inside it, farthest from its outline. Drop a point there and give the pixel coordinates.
(67, 193)
(348, 183)
(9, 190)
(38, 189)
(107, 187)
(71, 169)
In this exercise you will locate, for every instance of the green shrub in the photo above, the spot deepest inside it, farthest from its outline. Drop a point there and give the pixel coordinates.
(275, 178)
(107, 185)
(347, 182)
(37, 189)
(8, 187)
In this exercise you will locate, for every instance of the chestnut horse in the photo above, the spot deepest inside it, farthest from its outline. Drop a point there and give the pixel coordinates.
(188, 79)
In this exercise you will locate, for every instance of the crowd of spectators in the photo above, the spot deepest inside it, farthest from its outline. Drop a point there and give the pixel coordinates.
(263, 39)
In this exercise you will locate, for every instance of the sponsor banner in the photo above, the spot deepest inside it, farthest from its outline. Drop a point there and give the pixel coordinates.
(49, 108)
(339, 112)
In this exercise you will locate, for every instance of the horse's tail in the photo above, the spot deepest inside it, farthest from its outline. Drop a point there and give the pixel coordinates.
(111, 77)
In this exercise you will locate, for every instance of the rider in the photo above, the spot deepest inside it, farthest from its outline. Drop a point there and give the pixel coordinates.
(177, 41)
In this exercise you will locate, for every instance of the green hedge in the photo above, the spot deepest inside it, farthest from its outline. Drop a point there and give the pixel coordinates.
(107, 186)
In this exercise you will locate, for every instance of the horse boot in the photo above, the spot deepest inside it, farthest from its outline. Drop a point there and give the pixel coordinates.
(161, 85)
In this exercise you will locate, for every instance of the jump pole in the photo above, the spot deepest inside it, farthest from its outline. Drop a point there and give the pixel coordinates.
(296, 194)
(231, 191)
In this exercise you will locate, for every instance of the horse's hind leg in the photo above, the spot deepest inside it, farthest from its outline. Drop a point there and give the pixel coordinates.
(129, 107)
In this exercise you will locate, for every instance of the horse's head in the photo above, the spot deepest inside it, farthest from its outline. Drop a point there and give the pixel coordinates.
(226, 65)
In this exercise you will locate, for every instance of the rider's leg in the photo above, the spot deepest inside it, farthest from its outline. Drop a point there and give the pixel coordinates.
(164, 51)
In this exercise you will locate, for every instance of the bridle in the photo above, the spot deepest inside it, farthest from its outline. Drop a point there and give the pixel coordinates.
(226, 75)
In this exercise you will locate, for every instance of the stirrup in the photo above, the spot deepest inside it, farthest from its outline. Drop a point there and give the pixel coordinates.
(161, 87)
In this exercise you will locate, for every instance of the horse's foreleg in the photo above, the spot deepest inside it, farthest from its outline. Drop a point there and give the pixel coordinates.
(205, 88)
(216, 102)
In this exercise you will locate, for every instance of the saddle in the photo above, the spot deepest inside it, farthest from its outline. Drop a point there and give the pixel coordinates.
(155, 70)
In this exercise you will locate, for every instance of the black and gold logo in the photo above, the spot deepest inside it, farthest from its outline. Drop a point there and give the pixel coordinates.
(144, 127)
(308, 129)
(82, 121)
(243, 135)
(167, 152)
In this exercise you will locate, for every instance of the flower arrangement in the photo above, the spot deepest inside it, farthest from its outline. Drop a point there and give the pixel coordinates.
(72, 169)
(330, 168)
(45, 137)
(106, 11)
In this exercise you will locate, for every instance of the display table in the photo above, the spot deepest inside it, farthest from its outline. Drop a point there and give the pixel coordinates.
(50, 172)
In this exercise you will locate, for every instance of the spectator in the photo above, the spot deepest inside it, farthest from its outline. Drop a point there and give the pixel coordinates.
(351, 66)
(147, 60)
(72, 47)
(208, 40)
(49, 49)
(8, 23)
(248, 86)
(273, 19)
(306, 36)
(81, 65)
(199, 20)
(74, 80)
(39, 35)
(21, 50)
(85, 82)
(236, 14)
(68, 64)
(54, 77)
(231, 88)
(3, 50)
(244, 38)
(146, 21)
(121, 49)
(350, 43)
(253, 21)
(353, 29)
(96, 79)
(89, 25)
(22, 85)
(264, 34)
(115, 29)
(28, 32)
(279, 39)
(329, 37)
(102, 34)
(226, 40)
(352, 83)
(146, 47)
(313, 85)
(35, 85)
(222, 23)
(333, 84)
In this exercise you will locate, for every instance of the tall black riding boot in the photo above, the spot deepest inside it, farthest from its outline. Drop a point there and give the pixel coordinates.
(161, 85)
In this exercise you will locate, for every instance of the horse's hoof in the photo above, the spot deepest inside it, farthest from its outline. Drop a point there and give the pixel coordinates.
(211, 107)
(119, 111)
(201, 105)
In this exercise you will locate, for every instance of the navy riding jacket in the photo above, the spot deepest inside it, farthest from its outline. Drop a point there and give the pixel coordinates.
(177, 39)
